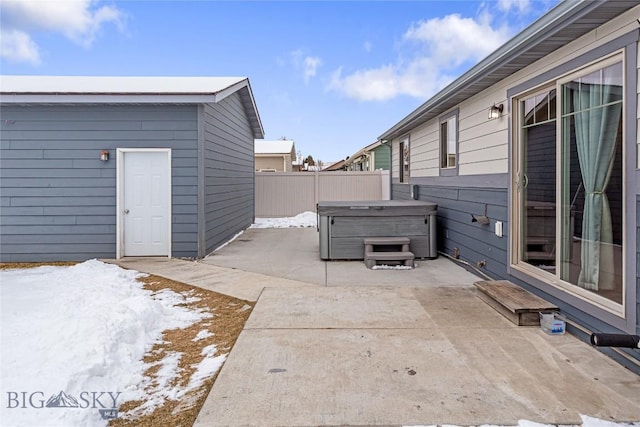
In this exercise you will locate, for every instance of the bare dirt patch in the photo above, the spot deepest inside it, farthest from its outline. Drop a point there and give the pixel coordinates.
(229, 316)
(12, 265)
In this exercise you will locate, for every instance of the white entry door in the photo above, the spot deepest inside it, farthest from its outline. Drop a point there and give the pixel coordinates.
(145, 207)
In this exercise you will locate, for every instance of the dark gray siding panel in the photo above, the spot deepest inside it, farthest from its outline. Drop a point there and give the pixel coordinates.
(477, 242)
(638, 263)
(456, 232)
(228, 171)
(59, 201)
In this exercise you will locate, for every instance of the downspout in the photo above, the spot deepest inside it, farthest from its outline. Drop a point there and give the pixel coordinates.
(201, 236)
(389, 144)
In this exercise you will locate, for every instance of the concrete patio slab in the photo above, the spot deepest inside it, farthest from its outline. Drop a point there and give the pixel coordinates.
(443, 305)
(290, 253)
(375, 347)
(375, 308)
(229, 281)
(474, 368)
(428, 273)
(293, 253)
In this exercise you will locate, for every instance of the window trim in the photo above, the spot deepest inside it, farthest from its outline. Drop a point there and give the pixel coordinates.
(627, 44)
(452, 171)
(516, 252)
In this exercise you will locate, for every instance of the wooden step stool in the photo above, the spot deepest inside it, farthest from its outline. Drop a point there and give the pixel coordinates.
(513, 302)
(371, 256)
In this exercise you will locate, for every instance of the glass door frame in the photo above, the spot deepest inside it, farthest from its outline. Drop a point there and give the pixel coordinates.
(519, 181)
(517, 212)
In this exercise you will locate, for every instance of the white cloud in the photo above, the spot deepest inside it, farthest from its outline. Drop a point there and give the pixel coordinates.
(77, 20)
(306, 64)
(367, 85)
(17, 46)
(311, 64)
(454, 40)
(443, 45)
(419, 79)
(367, 46)
(520, 6)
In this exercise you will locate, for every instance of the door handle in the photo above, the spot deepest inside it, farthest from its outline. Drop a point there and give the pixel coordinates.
(126, 211)
(522, 182)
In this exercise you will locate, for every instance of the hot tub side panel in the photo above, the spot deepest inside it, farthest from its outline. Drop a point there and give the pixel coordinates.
(343, 226)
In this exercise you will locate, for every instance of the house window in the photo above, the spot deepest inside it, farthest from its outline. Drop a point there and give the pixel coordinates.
(570, 189)
(405, 160)
(449, 143)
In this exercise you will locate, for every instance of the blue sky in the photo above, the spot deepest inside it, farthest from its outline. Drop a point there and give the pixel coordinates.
(330, 75)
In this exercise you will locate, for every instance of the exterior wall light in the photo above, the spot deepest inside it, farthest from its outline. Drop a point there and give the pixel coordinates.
(104, 155)
(481, 219)
(495, 111)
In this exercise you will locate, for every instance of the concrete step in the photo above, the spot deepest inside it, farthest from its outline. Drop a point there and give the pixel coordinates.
(389, 256)
(372, 257)
(386, 244)
(513, 302)
(386, 241)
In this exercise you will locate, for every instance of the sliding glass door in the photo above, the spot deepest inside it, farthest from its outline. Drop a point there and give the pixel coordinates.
(569, 186)
(538, 179)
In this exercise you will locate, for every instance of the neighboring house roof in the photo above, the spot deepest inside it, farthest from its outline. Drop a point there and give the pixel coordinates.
(274, 147)
(566, 22)
(119, 90)
(335, 166)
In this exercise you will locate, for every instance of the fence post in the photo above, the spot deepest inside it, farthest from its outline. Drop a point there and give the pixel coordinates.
(386, 185)
(316, 189)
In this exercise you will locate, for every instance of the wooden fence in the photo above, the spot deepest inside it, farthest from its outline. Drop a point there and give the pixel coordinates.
(280, 194)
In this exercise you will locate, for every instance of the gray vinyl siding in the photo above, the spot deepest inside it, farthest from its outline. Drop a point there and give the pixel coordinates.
(58, 200)
(638, 263)
(228, 171)
(474, 242)
(477, 242)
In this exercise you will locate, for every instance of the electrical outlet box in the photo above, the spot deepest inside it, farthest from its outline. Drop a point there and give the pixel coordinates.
(499, 228)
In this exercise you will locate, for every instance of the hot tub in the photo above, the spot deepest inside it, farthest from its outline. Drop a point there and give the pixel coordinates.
(342, 226)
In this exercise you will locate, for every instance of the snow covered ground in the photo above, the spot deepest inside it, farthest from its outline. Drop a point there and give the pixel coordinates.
(73, 339)
(304, 219)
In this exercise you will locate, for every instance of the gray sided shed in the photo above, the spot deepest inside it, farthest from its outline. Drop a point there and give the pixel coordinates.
(59, 201)
(458, 194)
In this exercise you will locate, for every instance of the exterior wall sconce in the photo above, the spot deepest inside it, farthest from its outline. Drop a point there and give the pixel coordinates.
(104, 155)
(495, 111)
(481, 219)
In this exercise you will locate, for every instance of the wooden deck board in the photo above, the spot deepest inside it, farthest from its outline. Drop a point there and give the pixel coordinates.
(513, 302)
